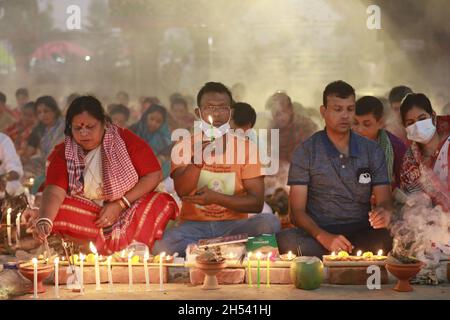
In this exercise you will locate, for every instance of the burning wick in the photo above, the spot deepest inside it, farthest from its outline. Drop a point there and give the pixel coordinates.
(359, 253)
(210, 119)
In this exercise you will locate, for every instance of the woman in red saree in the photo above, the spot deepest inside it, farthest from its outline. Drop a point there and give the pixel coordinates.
(425, 164)
(99, 184)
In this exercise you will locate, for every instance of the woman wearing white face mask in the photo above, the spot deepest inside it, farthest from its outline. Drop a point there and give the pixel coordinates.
(425, 165)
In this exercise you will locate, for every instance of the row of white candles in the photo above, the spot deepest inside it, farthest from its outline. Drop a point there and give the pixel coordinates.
(97, 272)
(9, 226)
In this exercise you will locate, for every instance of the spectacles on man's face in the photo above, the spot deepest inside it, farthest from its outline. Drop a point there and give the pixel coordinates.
(220, 109)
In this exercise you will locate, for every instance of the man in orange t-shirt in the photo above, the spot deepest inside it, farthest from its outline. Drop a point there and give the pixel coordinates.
(220, 183)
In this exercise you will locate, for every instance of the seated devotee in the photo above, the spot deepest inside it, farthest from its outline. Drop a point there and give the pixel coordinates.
(20, 131)
(100, 184)
(369, 122)
(243, 117)
(181, 117)
(293, 128)
(425, 164)
(216, 194)
(332, 177)
(394, 122)
(153, 129)
(45, 136)
(10, 168)
(6, 118)
(22, 97)
(120, 115)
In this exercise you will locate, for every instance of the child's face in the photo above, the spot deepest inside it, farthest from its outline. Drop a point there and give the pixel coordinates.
(154, 121)
(367, 125)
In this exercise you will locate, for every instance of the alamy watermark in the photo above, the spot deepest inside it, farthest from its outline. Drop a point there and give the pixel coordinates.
(257, 150)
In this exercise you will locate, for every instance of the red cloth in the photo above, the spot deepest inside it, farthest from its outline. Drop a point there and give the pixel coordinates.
(144, 221)
(76, 218)
(142, 157)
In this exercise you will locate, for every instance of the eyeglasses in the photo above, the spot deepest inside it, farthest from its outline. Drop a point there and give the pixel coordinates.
(220, 109)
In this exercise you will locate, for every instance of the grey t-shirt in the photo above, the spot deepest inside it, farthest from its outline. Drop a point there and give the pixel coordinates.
(339, 187)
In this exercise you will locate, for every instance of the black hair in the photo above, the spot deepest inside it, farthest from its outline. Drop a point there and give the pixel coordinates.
(29, 105)
(175, 96)
(398, 93)
(418, 100)
(369, 105)
(216, 87)
(120, 108)
(156, 108)
(179, 100)
(2, 97)
(22, 92)
(50, 103)
(338, 88)
(243, 114)
(91, 105)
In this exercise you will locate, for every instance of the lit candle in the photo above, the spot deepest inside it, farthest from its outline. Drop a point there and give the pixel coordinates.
(18, 229)
(290, 255)
(110, 280)
(97, 267)
(161, 258)
(249, 269)
(268, 270)
(258, 257)
(56, 262)
(130, 272)
(8, 226)
(359, 253)
(81, 257)
(212, 130)
(35, 278)
(380, 253)
(147, 278)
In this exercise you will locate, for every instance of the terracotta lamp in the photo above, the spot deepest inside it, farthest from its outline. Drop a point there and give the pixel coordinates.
(404, 272)
(211, 264)
(43, 272)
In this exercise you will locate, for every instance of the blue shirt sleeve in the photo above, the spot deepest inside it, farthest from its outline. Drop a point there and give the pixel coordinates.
(299, 170)
(378, 167)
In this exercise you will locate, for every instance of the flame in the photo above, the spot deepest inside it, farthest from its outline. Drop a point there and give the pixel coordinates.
(333, 254)
(161, 255)
(258, 255)
(34, 260)
(168, 257)
(31, 180)
(56, 260)
(109, 259)
(122, 253)
(380, 252)
(290, 255)
(359, 253)
(93, 248)
(63, 258)
(146, 255)
(210, 119)
(9, 211)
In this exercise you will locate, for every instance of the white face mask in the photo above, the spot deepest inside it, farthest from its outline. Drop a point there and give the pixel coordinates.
(421, 131)
(211, 131)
